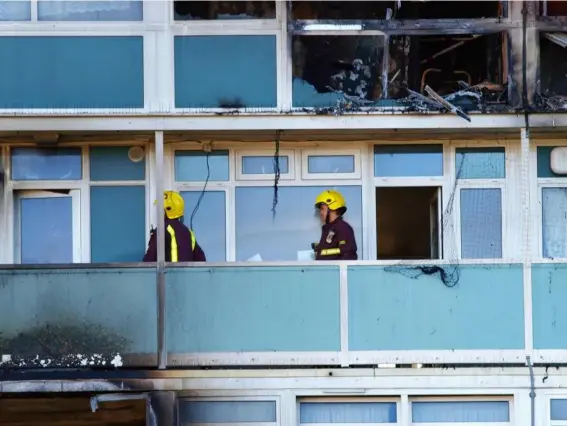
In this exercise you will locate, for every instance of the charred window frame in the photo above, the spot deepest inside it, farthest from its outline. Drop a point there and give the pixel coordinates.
(394, 32)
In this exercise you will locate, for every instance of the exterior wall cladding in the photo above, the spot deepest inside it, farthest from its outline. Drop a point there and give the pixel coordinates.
(446, 136)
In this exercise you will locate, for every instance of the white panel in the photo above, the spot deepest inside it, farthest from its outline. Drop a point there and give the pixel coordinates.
(558, 160)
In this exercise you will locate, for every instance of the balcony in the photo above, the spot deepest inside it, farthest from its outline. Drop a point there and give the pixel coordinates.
(285, 314)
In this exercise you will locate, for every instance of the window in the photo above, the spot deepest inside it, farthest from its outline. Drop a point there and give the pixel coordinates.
(460, 412)
(331, 164)
(44, 223)
(408, 160)
(89, 10)
(200, 166)
(233, 76)
(553, 199)
(15, 10)
(72, 72)
(217, 412)
(46, 163)
(295, 225)
(347, 413)
(558, 411)
(328, 70)
(481, 176)
(205, 214)
(223, 10)
(261, 165)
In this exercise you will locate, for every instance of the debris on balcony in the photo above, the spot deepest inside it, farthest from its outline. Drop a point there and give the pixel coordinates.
(211, 10)
(54, 345)
(553, 71)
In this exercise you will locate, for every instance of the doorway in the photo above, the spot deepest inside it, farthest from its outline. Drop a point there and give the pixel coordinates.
(408, 223)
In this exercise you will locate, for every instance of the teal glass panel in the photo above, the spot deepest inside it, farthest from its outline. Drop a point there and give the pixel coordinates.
(46, 163)
(19, 10)
(233, 71)
(118, 224)
(90, 10)
(227, 412)
(196, 166)
(480, 163)
(263, 165)
(408, 160)
(72, 72)
(111, 163)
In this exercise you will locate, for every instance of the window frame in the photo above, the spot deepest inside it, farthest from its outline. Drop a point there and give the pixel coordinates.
(537, 185)
(357, 160)
(240, 176)
(548, 396)
(185, 396)
(473, 398)
(355, 399)
(503, 184)
(82, 230)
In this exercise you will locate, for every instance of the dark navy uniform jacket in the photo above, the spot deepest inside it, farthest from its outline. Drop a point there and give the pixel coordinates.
(180, 244)
(337, 242)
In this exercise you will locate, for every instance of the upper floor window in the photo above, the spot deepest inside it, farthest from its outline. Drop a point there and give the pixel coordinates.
(211, 10)
(558, 414)
(200, 166)
(46, 163)
(408, 160)
(225, 412)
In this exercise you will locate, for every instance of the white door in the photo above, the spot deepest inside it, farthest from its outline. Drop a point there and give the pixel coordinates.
(435, 226)
(47, 227)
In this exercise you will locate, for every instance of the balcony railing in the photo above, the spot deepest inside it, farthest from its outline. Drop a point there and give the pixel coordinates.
(346, 314)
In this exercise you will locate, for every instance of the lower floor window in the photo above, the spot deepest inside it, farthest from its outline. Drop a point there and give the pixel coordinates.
(554, 222)
(347, 413)
(460, 411)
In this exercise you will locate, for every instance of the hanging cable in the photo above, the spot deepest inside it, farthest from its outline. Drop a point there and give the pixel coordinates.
(524, 67)
(202, 194)
(276, 174)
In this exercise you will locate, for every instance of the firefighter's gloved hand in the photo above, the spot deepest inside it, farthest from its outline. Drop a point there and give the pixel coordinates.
(314, 246)
(152, 231)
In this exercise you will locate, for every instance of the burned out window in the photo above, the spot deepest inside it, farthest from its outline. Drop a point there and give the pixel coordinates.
(473, 65)
(396, 9)
(211, 10)
(553, 8)
(331, 69)
(553, 69)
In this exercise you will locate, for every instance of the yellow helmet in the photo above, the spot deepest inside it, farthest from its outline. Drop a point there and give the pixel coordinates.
(173, 204)
(333, 199)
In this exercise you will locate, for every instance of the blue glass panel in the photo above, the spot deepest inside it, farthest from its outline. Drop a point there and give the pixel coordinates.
(72, 72)
(330, 164)
(408, 160)
(348, 412)
(480, 163)
(209, 222)
(544, 162)
(227, 411)
(460, 411)
(559, 409)
(481, 224)
(262, 165)
(118, 237)
(15, 10)
(112, 163)
(46, 226)
(295, 226)
(225, 71)
(554, 222)
(191, 166)
(46, 163)
(118, 10)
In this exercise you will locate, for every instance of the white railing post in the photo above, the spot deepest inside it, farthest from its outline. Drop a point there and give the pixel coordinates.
(160, 275)
(343, 295)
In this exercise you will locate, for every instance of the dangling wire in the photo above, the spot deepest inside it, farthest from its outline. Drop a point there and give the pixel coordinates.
(202, 194)
(276, 174)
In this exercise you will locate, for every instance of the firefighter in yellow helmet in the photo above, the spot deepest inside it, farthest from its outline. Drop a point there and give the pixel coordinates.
(180, 242)
(337, 237)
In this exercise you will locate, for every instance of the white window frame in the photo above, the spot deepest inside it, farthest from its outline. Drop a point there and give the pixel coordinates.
(494, 183)
(223, 186)
(443, 182)
(75, 196)
(537, 185)
(355, 153)
(494, 398)
(267, 398)
(548, 396)
(240, 155)
(354, 399)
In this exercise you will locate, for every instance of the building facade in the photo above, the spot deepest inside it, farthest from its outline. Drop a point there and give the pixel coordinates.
(443, 126)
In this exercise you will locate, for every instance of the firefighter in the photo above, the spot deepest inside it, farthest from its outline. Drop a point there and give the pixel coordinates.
(180, 242)
(337, 237)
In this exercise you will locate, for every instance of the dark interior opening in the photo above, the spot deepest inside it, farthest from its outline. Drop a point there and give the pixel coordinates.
(197, 10)
(398, 10)
(442, 61)
(554, 8)
(407, 222)
(553, 64)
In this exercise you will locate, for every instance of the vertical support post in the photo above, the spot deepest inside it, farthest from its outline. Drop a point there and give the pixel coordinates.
(160, 275)
(525, 188)
(343, 303)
